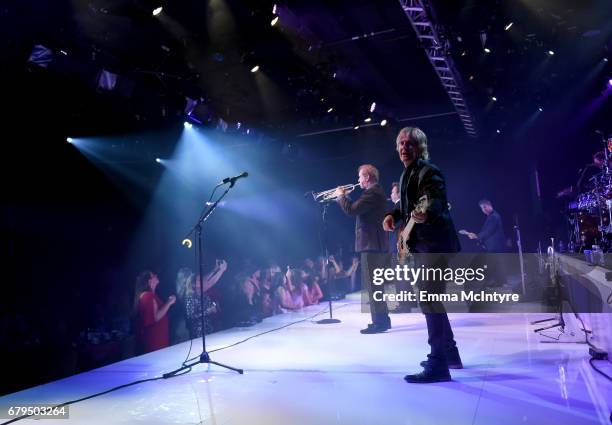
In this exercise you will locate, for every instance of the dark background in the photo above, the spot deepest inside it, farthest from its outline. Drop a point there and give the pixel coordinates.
(79, 224)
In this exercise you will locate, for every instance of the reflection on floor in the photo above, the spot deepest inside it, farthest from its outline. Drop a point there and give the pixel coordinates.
(310, 373)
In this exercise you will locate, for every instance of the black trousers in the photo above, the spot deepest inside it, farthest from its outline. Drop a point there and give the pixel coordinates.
(440, 334)
(371, 260)
(497, 269)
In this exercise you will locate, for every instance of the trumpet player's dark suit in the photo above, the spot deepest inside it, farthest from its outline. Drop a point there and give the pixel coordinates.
(370, 209)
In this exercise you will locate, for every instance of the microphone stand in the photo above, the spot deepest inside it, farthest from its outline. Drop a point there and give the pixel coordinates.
(519, 245)
(553, 267)
(329, 282)
(204, 357)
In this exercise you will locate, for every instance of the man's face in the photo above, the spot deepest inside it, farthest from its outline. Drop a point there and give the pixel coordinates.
(486, 209)
(407, 149)
(395, 194)
(363, 179)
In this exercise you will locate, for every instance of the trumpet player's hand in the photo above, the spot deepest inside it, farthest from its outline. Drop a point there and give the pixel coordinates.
(340, 191)
(388, 224)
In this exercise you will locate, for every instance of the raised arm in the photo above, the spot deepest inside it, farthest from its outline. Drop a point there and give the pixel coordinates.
(151, 312)
(353, 267)
(306, 296)
(335, 264)
(213, 277)
(366, 202)
(285, 299)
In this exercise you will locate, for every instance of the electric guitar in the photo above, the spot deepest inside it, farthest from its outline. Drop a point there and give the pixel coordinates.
(480, 243)
(403, 251)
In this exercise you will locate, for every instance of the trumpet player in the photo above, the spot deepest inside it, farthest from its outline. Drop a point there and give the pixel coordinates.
(369, 210)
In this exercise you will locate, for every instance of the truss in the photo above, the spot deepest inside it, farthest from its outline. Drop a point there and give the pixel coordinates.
(437, 50)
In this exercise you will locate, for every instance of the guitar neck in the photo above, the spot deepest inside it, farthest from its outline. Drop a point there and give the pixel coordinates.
(409, 225)
(402, 242)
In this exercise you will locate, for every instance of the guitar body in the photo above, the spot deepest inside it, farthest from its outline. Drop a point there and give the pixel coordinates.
(403, 250)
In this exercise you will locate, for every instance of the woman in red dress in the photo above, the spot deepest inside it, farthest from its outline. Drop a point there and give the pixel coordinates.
(152, 318)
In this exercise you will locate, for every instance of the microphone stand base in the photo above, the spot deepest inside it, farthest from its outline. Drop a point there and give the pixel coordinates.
(204, 359)
(328, 321)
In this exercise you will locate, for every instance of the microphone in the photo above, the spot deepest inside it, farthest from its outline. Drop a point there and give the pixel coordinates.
(232, 180)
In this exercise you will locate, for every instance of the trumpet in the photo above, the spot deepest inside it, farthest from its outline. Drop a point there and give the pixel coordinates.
(328, 195)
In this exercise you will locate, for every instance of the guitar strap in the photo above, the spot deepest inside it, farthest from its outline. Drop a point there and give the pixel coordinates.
(424, 170)
(421, 175)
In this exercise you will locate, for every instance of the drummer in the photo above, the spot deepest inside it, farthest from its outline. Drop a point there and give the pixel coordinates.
(585, 181)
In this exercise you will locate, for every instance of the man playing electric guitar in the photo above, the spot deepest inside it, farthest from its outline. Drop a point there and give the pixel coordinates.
(474, 237)
(491, 239)
(433, 232)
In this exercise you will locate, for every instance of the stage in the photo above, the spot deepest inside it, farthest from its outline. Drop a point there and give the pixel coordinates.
(309, 373)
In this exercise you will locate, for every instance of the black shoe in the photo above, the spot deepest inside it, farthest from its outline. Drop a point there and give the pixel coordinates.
(431, 373)
(428, 375)
(454, 364)
(453, 360)
(400, 310)
(375, 328)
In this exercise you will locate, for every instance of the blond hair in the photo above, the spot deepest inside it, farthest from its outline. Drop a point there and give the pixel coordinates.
(414, 134)
(371, 171)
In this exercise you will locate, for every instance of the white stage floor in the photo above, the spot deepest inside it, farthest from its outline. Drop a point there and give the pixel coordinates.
(331, 374)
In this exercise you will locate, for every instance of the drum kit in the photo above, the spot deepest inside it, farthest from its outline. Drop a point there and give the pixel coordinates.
(590, 213)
